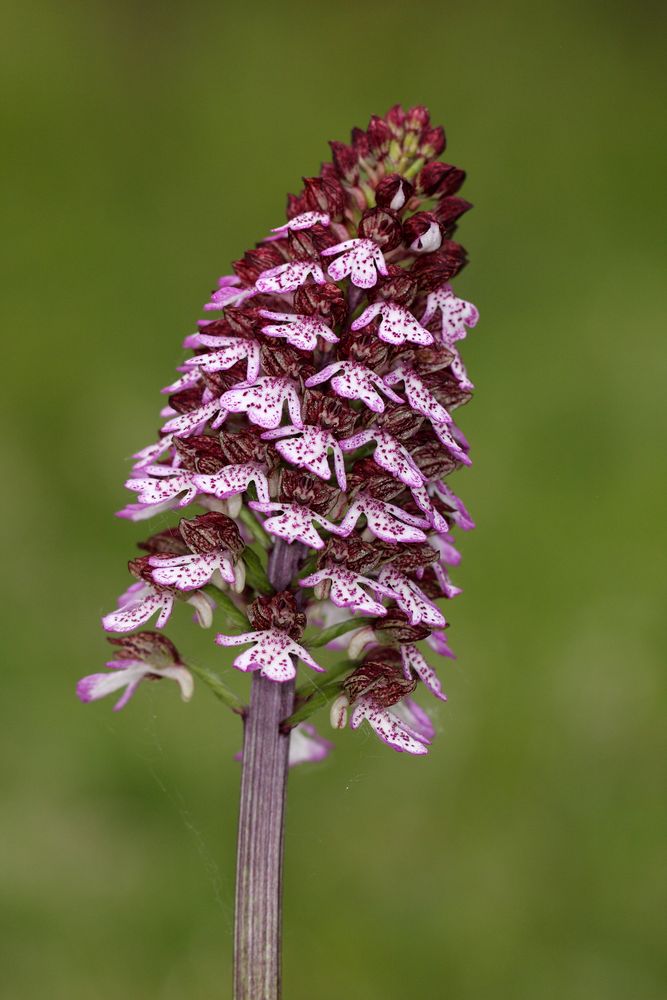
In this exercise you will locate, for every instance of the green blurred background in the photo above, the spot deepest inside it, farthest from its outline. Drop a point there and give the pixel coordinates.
(146, 145)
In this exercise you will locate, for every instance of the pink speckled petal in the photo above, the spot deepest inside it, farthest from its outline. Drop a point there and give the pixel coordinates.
(300, 331)
(263, 401)
(398, 325)
(414, 661)
(437, 640)
(287, 277)
(457, 314)
(234, 479)
(152, 452)
(271, 653)
(389, 727)
(448, 441)
(414, 716)
(411, 599)
(304, 221)
(449, 554)
(228, 294)
(446, 585)
(309, 450)
(187, 381)
(293, 523)
(139, 611)
(420, 399)
(460, 515)
(433, 516)
(228, 356)
(389, 454)
(194, 421)
(188, 572)
(386, 521)
(160, 489)
(346, 589)
(361, 259)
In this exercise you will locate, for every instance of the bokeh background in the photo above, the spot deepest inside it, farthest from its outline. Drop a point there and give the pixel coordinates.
(145, 146)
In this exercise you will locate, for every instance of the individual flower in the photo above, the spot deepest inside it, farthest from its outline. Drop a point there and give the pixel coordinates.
(345, 589)
(143, 599)
(456, 314)
(356, 381)
(263, 401)
(299, 331)
(274, 647)
(288, 277)
(215, 545)
(377, 692)
(362, 260)
(304, 221)
(308, 447)
(397, 324)
(144, 656)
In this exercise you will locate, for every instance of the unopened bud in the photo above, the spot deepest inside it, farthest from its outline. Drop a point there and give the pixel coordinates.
(393, 191)
(338, 711)
(422, 233)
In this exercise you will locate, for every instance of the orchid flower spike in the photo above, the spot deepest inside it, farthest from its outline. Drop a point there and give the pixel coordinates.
(315, 416)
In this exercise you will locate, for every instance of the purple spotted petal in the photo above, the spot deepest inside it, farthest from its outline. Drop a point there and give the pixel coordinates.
(293, 523)
(420, 399)
(300, 331)
(414, 716)
(304, 221)
(389, 727)
(385, 520)
(361, 259)
(145, 602)
(355, 381)
(194, 422)
(192, 571)
(389, 455)
(397, 326)
(152, 452)
(411, 599)
(234, 479)
(346, 589)
(288, 277)
(271, 653)
(263, 401)
(456, 314)
(308, 448)
(460, 515)
(228, 356)
(163, 486)
(414, 661)
(97, 686)
(448, 440)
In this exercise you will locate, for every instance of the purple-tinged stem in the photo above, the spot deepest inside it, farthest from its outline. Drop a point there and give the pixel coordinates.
(259, 861)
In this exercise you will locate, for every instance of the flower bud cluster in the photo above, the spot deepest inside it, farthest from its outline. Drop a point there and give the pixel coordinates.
(316, 409)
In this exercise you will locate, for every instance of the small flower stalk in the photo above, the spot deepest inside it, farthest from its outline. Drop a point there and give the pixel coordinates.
(305, 457)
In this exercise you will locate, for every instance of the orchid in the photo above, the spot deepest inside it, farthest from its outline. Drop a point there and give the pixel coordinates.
(361, 259)
(299, 331)
(397, 325)
(271, 653)
(306, 444)
(145, 656)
